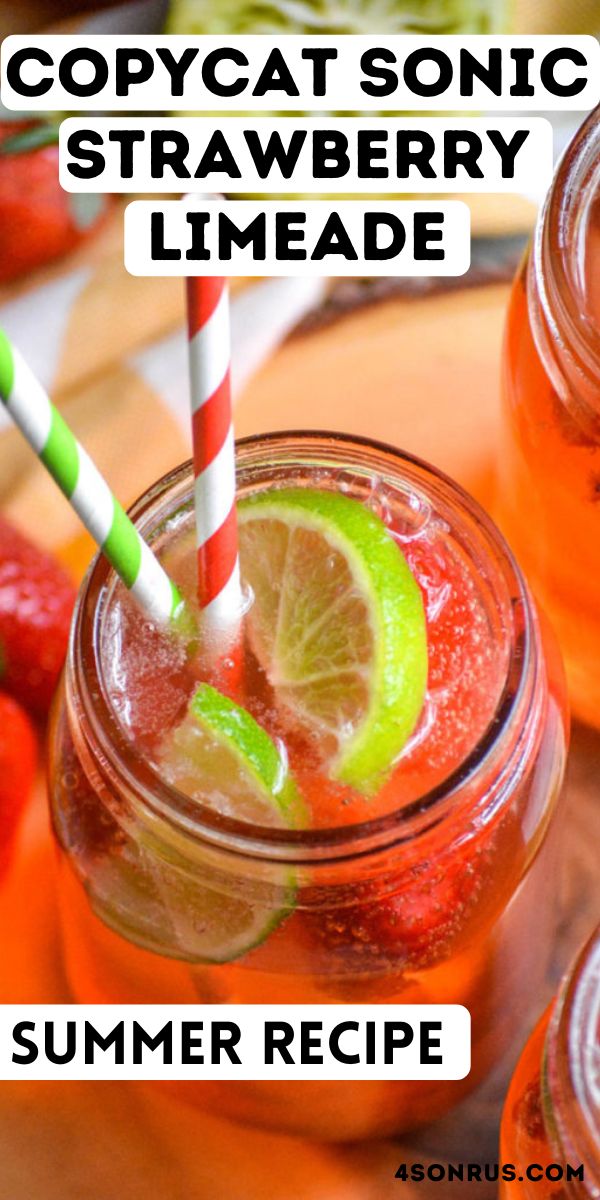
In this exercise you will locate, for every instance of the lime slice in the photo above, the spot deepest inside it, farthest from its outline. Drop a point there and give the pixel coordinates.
(338, 625)
(221, 757)
(337, 16)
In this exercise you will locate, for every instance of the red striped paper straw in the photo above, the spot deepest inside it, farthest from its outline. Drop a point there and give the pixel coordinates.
(219, 589)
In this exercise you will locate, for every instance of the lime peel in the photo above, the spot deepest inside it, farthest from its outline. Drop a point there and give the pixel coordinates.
(221, 756)
(256, 753)
(386, 630)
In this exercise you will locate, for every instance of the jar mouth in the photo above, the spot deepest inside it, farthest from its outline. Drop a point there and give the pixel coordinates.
(558, 258)
(574, 1062)
(131, 771)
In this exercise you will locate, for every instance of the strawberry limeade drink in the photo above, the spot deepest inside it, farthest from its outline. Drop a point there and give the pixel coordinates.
(359, 807)
(549, 460)
(552, 1111)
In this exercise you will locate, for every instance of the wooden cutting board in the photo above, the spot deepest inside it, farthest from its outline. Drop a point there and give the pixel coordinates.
(398, 372)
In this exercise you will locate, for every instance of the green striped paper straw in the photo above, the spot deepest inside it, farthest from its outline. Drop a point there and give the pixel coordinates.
(81, 482)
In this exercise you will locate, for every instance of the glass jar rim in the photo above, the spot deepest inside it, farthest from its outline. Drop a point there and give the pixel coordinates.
(571, 1066)
(134, 773)
(556, 244)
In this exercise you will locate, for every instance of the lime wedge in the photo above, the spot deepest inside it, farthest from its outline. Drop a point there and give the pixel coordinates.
(220, 756)
(338, 625)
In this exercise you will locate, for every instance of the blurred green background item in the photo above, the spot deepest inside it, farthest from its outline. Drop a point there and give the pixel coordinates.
(339, 16)
(384, 16)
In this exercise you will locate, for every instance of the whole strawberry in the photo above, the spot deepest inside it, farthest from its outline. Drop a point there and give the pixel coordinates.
(38, 220)
(36, 602)
(18, 755)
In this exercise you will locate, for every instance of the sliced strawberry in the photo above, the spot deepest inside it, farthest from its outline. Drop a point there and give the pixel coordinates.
(18, 755)
(36, 602)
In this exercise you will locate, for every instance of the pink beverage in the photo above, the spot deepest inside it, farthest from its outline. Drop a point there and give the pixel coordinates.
(427, 891)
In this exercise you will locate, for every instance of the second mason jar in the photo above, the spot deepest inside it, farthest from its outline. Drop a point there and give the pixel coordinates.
(436, 891)
(549, 455)
(551, 1124)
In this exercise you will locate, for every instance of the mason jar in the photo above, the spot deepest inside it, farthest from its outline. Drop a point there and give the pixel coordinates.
(551, 1122)
(548, 460)
(452, 862)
